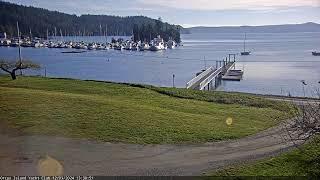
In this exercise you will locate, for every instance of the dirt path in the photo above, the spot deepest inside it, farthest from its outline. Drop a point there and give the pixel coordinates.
(19, 155)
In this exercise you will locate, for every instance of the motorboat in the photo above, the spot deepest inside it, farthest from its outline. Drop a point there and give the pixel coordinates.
(171, 44)
(315, 53)
(128, 45)
(157, 44)
(144, 47)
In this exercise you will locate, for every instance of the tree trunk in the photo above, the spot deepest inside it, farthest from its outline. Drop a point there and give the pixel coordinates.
(13, 75)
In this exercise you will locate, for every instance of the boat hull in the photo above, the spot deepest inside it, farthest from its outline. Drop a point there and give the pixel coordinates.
(316, 53)
(156, 48)
(245, 53)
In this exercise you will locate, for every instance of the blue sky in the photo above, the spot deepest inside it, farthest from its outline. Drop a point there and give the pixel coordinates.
(194, 12)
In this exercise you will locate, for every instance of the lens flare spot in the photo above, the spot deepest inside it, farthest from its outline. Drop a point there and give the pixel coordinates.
(49, 167)
(229, 121)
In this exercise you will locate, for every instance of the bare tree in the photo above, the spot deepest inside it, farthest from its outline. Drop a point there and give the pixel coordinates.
(11, 67)
(307, 121)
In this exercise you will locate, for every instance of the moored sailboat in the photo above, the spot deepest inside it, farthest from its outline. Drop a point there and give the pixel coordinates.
(245, 53)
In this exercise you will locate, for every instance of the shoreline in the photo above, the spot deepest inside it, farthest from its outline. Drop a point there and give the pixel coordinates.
(271, 96)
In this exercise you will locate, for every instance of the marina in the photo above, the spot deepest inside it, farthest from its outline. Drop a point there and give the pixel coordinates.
(157, 44)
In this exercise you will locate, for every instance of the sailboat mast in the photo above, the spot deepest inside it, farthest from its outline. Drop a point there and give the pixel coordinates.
(100, 30)
(106, 33)
(30, 34)
(244, 42)
(132, 35)
(61, 35)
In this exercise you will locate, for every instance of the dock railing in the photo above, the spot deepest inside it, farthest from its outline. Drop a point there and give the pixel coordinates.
(205, 82)
(196, 79)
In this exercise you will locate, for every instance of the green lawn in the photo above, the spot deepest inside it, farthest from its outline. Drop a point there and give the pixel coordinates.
(304, 162)
(132, 113)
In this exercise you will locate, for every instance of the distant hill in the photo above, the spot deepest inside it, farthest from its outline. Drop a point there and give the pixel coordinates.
(40, 20)
(306, 27)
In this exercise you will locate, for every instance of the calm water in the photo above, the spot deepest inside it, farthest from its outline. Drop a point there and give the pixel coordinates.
(278, 63)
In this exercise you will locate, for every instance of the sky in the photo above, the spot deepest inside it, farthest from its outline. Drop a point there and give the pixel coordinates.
(189, 13)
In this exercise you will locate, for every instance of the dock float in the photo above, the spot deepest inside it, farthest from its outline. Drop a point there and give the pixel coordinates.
(233, 75)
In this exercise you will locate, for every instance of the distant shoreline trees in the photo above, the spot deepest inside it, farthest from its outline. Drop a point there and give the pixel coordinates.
(38, 22)
(147, 32)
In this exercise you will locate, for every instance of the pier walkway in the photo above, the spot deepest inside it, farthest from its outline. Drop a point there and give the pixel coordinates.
(205, 79)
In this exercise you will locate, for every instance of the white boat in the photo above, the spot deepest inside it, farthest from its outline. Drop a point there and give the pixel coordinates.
(26, 43)
(92, 46)
(157, 44)
(108, 46)
(14, 43)
(51, 45)
(7, 42)
(69, 46)
(171, 44)
(62, 45)
(134, 47)
(144, 47)
(37, 44)
(100, 47)
(119, 47)
(128, 45)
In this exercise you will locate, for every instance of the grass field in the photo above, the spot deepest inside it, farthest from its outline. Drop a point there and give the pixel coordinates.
(132, 113)
(304, 162)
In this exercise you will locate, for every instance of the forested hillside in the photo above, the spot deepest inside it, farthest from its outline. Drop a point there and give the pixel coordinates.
(39, 21)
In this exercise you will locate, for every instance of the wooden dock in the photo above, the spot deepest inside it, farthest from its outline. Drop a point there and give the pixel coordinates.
(206, 78)
(213, 75)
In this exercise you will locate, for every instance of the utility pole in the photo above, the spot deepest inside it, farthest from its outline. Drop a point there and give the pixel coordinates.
(173, 76)
(20, 59)
(303, 84)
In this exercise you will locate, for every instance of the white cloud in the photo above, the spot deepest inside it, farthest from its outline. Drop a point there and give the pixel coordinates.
(231, 4)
